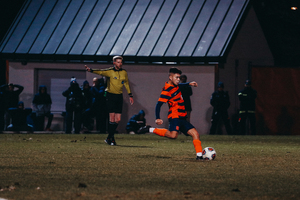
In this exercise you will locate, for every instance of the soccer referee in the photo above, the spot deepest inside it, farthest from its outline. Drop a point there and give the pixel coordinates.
(116, 79)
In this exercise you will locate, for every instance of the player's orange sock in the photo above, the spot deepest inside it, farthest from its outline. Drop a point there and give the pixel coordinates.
(197, 145)
(160, 131)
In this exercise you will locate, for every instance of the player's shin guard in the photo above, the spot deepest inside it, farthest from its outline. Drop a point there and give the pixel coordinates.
(160, 131)
(198, 147)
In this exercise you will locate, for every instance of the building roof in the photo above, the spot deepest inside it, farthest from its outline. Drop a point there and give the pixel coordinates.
(140, 30)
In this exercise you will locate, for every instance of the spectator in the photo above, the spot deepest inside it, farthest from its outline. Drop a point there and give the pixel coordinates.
(42, 106)
(88, 98)
(220, 101)
(2, 112)
(247, 98)
(19, 117)
(74, 106)
(99, 108)
(136, 122)
(11, 98)
(186, 93)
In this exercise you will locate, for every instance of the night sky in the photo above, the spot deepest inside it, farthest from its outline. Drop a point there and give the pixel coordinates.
(9, 10)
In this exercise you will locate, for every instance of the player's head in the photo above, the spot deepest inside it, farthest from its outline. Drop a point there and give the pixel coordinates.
(118, 62)
(174, 75)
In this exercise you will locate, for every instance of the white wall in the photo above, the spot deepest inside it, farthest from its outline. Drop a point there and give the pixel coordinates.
(146, 82)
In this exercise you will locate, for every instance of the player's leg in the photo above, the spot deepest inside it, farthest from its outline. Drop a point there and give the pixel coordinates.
(159, 131)
(188, 129)
(172, 133)
(197, 143)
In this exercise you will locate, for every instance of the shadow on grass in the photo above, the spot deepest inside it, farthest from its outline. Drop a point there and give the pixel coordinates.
(130, 146)
(153, 156)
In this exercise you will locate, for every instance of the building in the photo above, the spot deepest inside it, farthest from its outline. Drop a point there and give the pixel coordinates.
(210, 40)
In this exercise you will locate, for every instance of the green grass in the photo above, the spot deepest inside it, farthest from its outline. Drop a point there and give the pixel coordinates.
(60, 166)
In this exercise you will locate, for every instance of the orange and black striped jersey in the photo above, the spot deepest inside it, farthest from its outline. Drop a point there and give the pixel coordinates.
(172, 95)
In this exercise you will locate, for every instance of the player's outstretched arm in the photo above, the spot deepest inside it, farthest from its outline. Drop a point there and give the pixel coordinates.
(193, 83)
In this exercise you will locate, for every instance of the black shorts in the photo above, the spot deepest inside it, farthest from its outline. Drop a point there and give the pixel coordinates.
(180, 125)
(114, 102)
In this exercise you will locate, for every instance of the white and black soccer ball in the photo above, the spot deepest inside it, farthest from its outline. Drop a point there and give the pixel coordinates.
(209, 153)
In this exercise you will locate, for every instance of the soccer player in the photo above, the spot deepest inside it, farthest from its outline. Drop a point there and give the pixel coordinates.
(177, 115)
(116, 79)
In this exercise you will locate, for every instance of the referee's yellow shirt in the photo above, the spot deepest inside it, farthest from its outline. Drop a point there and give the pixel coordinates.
(115, 79)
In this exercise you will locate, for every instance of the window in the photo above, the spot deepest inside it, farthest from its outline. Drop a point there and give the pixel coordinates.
(56, 82)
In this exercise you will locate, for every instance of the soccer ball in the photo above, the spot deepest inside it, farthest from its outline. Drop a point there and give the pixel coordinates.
(209, 153)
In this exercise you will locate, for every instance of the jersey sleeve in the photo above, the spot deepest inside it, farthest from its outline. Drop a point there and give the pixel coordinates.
(126, 84)
(103, 72)
(157, 109)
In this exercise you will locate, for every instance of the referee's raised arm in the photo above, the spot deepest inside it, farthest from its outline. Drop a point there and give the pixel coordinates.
(87, 68)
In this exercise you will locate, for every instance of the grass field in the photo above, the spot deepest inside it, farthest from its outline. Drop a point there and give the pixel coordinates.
(60, 166)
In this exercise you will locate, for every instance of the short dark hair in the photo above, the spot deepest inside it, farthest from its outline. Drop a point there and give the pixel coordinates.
(175, 70)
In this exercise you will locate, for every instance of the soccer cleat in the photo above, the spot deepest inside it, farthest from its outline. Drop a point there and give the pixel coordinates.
(108, 141)
(144, 129)
(200, 158)
(113, 142)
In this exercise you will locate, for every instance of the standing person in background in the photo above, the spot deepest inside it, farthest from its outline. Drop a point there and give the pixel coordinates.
(220, 101)
(74, 106)
(42, 105)
(87, 104)
(11, 98)
(116, 79)
(186, 93)
(99, 109)
(2, 112)
(171, 94)
(247, 98)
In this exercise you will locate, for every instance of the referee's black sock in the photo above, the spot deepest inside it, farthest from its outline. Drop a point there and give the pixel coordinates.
(112, 126)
